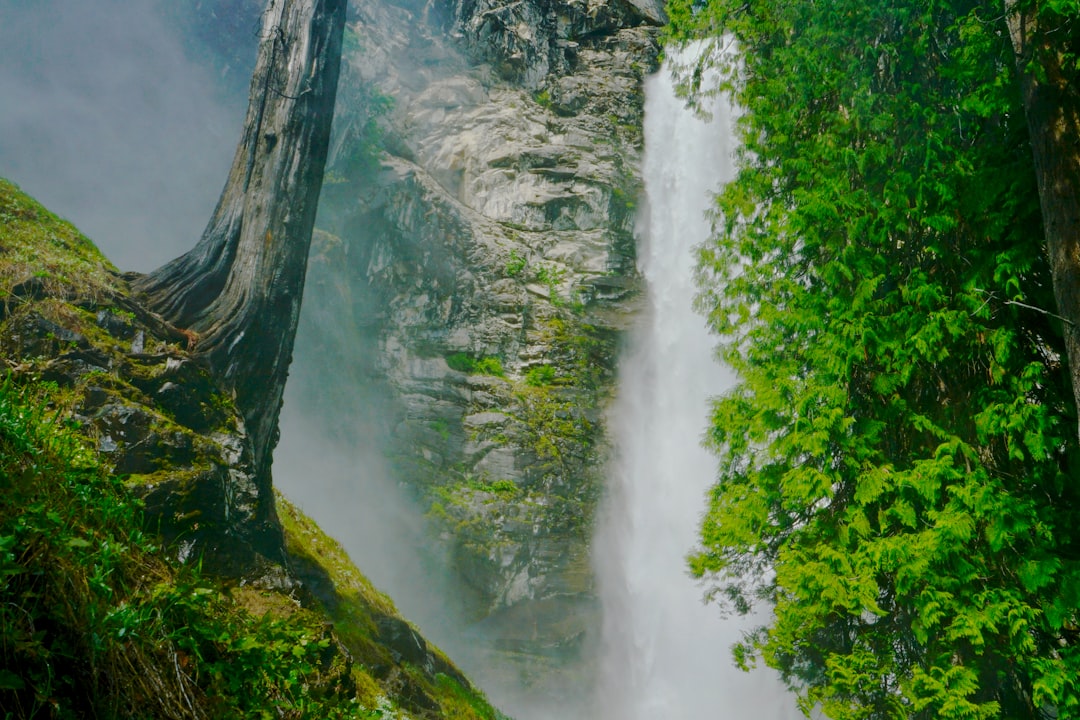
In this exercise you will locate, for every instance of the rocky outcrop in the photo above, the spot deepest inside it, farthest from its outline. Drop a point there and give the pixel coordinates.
(476, 269)
(155, 414)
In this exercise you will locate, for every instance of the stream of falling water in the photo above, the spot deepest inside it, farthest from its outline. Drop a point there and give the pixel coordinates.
(666, 654)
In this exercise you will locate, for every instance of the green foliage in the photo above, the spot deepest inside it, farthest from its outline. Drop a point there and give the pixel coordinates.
(96, 622)
(896, 461)
(556, 429)
(462, 362)
(516, 264)
(540, 376)
(487, 365)
(549, 275)
(364, 133)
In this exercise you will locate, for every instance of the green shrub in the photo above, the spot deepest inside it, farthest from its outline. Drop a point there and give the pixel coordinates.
(461, 362)
(97, 623)
(465, 363)
(540, 376)
(489, 366)
(503, 487)
(516, 264)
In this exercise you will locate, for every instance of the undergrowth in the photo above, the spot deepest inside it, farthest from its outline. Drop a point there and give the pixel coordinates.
(96, 623)
(39, 249)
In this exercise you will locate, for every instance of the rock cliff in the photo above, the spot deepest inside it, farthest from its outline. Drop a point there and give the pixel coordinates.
(474, 272)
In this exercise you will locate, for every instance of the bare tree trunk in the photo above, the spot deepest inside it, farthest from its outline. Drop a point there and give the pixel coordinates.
(1052, 108)
(238, 291)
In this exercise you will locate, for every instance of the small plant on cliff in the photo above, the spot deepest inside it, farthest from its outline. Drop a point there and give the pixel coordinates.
(552, 277)
(489, 366)
(516, 264)
(540, 376)
(463, 362)
(543, 99)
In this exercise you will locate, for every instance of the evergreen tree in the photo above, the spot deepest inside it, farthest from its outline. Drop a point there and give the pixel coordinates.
(896, 460)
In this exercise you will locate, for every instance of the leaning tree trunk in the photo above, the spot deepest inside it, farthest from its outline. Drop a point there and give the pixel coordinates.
(238, 291)
(1046, 58)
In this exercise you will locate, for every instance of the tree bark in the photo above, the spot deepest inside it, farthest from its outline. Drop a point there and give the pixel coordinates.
(1052, 108)
(238, 291)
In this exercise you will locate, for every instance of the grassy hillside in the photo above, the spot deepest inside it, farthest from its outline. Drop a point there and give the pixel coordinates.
(100, 617)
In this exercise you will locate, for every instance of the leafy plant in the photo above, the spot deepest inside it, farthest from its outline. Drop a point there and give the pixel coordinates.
(463, 362)
(896, 458)
(516, 264)
(96, 621)
(540, 376)
(549, 275)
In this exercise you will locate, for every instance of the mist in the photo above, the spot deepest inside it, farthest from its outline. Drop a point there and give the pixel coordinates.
(109, 121)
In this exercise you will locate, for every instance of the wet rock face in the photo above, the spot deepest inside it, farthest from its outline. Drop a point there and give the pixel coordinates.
(475, 277)
(161, 420)
(527, 42)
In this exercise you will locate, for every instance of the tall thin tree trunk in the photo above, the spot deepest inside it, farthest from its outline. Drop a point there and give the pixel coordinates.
(1052, 107)
(238, 291)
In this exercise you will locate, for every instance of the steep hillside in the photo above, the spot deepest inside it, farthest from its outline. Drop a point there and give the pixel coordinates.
(143, 570)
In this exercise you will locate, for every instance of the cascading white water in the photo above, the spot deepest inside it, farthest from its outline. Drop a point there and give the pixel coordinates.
(666, 654)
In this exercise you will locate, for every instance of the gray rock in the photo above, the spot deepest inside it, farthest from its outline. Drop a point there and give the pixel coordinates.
(498, 223)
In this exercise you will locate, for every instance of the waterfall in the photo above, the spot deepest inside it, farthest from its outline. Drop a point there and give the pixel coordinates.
(667, 654)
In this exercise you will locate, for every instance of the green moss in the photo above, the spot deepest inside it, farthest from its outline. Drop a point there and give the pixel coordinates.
(461, 702)
(556, 429)
(306, 541)
(39, 246)
(354, 605)
(540, 376)
(487, 365)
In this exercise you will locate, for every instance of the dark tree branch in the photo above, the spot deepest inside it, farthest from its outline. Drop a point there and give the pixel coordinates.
(1052, 108)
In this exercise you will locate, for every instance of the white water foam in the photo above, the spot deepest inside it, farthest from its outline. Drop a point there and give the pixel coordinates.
(667, 655)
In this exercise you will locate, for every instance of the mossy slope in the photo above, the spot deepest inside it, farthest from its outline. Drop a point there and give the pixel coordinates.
(143, 570)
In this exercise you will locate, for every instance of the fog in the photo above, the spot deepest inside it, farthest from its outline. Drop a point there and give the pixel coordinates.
(107, 119)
